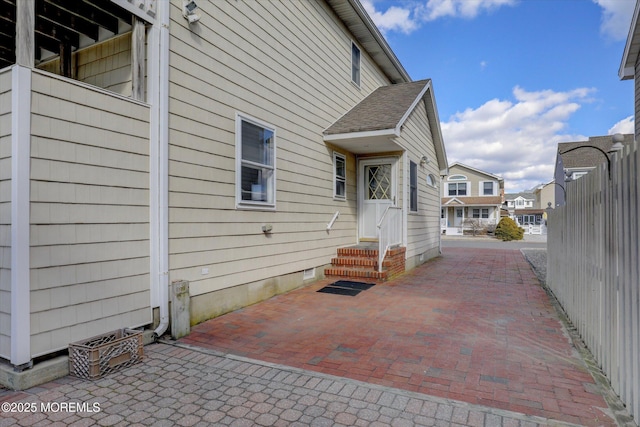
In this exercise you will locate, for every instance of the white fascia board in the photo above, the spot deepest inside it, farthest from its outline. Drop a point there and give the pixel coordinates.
(454, 199)
(626, 73)
(496, 177)
(412, 107)
(366, 134)
(627, 66)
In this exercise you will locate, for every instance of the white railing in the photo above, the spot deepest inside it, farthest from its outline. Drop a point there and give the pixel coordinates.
(333, 220)
(532, 229)
(389, 232)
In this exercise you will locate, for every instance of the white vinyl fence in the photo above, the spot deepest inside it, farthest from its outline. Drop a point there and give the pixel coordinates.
(593, 268)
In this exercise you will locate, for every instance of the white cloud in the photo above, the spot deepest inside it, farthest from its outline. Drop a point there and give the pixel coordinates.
(616, 17)
(406, 17)
(514, 139)
(623, 126)
(393, 19)
(434, 9)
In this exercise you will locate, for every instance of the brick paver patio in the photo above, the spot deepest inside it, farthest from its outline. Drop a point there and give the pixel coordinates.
(473, 325)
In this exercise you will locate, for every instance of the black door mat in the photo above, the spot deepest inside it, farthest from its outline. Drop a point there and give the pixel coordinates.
(352, 285)
(339, 291)
(346, 287)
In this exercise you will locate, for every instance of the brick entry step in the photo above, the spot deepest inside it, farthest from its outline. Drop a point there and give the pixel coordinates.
(362, 262)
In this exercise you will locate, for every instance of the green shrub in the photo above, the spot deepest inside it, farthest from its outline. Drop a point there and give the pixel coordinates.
(507, 229)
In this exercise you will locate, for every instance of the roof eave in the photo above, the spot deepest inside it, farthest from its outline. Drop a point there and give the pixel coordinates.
(372, 40)
(434, 122)
(496, 177)
(363, 134)
(631, 49)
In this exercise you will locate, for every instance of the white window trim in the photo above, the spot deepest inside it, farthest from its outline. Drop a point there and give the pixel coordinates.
(457, 177)
(446, 189)
(353, 44)
(481, 188)
(248, 204)
(337, 155)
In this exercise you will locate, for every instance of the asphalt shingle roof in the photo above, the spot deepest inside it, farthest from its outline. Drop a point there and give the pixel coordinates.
(382, 109)
(474, 201)
(588, 158)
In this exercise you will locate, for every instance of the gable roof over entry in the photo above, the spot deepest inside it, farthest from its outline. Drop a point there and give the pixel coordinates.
(373, 124)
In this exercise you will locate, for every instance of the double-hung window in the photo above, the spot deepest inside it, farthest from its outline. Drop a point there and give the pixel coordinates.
(457, 188)
(413, 186)
(339, 176)
(355, 64)
(487, 188)
(481, 213)
(255, 164)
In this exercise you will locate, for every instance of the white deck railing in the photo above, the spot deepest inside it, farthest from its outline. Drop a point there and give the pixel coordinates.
(389, 232)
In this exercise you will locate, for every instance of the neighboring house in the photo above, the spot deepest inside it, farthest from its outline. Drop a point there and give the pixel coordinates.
(523, 208)
(545, 195)
(471, 199)
(237, 146)
(630, 65)
(576, 159)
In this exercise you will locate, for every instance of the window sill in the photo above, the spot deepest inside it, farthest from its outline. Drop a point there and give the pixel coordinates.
(255, 207)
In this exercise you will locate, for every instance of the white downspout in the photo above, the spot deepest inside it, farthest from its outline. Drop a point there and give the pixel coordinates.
(160, 167)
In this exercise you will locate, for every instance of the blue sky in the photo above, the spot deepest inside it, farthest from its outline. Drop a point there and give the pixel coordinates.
(512, 78)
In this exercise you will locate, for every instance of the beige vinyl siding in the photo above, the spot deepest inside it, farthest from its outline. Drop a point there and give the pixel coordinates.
(474, 179)
(423, 226)
(89, 213)
(284, 63)
(5, 213)
(106, 65)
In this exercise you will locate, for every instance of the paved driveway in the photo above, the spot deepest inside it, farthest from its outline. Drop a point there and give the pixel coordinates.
(472, 325)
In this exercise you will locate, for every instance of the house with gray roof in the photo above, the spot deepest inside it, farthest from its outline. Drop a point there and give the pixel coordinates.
(523, 208)
(576, 159)
(239, 147)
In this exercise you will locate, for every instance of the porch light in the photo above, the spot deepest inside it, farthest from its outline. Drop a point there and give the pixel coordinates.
(189, 8)
(424, 160)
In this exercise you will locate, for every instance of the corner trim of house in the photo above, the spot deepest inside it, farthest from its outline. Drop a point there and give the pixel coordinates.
(20, 217)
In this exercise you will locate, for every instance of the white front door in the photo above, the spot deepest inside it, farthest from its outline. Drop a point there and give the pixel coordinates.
(459, 217)
(376, 191)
